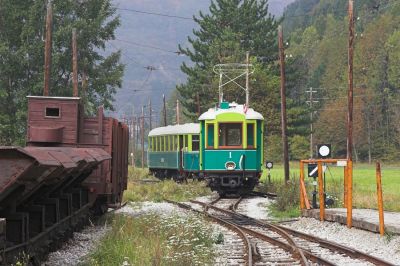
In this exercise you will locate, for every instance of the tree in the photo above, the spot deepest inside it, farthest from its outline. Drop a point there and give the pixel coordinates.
(232, 28)
(22, 56)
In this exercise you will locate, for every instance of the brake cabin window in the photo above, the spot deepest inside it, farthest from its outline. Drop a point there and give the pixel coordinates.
(230, 134)
(52, 112)
(210, 136)
(195, 142)
(250, 135)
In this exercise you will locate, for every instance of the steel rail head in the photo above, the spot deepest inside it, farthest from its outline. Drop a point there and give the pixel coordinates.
(324, 243)
(233, 227)
(337, 247)
(293, 248)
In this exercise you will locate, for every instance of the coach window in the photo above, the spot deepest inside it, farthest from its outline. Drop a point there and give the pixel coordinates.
(159, 144)
(250, 135)
(210, 136)
(230, 135)
(195, 142)
(186, 142)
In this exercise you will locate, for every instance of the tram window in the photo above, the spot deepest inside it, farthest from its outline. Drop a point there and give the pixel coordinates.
(150, 143)
(195, 142)
(176, 143)
(186, 141)
(230, 134)
(210, 136)
(250, 135)
(160, 145)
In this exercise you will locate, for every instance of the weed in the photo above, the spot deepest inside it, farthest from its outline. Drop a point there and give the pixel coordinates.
(155, 240)
(159, 191)
(388, 236)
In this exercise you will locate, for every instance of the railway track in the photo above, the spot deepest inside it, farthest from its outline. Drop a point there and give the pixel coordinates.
(274, 244)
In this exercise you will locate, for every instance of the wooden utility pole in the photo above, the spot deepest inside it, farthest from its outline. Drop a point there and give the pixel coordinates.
(283, 105)
(133, 139)
(47, 49)
(177, 113)
(164, 111)
(350, 119)
(142, 135)
(247, 78)
(150, 114)
(311, 103)
(74, 63)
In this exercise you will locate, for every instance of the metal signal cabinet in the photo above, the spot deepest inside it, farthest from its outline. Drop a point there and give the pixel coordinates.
(173, 151)
(231, 148)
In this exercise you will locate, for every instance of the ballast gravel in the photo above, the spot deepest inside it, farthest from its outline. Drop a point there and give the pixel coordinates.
(386, 247)
(82, 243)
(75, 249)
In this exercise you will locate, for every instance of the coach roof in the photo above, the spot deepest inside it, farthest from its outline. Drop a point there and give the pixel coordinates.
(190, 128)
(249, 113)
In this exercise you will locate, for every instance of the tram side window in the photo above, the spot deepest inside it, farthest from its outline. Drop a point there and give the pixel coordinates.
(159, 143)
(230, 134)
(150, 143)
(186, 142)
(250, 135)
(195, 142)
(210, 136)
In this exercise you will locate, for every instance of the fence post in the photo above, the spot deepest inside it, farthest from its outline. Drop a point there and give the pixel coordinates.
(345, 186)
(321, 193)
(380, 198)
(349, 193)
(301, 189)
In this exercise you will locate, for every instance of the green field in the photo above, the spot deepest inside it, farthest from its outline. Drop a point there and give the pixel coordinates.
(364, 183)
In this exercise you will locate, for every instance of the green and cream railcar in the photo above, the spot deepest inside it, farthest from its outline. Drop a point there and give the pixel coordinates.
(173, 151)
(231, 148)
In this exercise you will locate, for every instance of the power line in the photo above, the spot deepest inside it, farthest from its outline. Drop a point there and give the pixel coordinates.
(155, 14)
(149, 46)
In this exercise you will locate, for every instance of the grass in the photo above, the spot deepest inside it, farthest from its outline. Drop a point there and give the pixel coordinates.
(155, 240)
(159, 191)
(364, 184)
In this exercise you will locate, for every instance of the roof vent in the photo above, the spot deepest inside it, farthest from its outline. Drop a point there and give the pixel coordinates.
(224, 105)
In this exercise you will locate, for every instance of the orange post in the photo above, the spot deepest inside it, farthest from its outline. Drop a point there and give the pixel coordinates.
(345, 187)
(321, 193)
(349, 193)
(380, 198)
(301, 189)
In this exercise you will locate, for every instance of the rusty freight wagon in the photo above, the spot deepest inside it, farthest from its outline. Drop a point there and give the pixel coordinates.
(72, 165)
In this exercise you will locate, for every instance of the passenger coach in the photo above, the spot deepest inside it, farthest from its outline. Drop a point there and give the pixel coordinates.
(174, 151)
(231, 153)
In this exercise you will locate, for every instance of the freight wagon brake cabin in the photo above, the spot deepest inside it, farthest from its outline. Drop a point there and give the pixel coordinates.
(173, 151)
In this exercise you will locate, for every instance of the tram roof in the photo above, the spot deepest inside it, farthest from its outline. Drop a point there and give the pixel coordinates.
(250, 114)
(190, 128)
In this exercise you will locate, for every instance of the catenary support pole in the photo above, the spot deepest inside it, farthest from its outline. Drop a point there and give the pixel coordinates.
(247, 78)
(164, 111)
(380, 199)
(283, 105)
(177, 113)
(47, 49)
(350, 118)
(142, 135)
(74, 64)
(150, 113)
